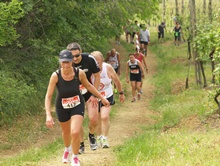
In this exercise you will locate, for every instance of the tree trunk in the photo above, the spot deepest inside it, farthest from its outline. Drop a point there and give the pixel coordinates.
(182, 7)
(212, 64)
(203, 74)
(193, 32)
(177, 10)
(210, 10)
(204, 7)
(164, 11)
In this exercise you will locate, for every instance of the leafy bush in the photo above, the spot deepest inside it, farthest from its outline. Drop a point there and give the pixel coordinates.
(15, 98)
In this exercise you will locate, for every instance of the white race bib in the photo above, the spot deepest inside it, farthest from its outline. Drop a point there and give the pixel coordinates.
(70, 102)
(82, 89)
(135, 71)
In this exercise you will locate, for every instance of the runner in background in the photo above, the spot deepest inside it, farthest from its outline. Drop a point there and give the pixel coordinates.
(177, 32)
(134, 75)
(144, 37)
(107, 76)
(113, 58)
(127, 31)
(135, 30)
(88, 64)
(138, 55)
(161, 28)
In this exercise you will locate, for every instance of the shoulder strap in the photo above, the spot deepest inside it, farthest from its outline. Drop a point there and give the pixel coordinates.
(57, 72)
(76, 70)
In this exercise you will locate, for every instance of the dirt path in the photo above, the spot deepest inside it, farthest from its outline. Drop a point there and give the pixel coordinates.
(123, 126)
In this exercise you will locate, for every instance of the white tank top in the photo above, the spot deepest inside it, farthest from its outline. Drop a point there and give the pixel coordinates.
(105, 86)
(113, 60)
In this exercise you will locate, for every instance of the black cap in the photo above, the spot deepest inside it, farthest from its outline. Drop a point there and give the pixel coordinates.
(65, 55)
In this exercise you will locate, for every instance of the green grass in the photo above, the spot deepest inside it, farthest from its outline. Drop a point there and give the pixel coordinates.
(178, 148)
(160, 145)
(33, 155)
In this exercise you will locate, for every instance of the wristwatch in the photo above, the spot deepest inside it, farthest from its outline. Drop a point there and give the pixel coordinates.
(121, 93)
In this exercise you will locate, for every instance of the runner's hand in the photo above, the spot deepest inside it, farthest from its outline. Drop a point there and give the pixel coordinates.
(49, 121)
(94, 101)
(105, 102)
(121, 98)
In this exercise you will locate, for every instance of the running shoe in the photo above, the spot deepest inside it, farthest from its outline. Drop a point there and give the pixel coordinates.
(75, 162)
(141, 91)
(105, 143)
(139, 96)
(92, 141)
(99, 142)
(133, 99)
(81, 149)
(66, 156)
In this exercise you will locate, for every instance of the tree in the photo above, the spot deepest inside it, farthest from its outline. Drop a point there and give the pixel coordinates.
(10, 14)
(193, 36)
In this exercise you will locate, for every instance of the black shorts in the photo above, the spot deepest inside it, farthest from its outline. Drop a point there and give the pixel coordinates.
(110, 99)
(133, 34)
(177, 37)
(160, 35)
(87, 95)
(136, 77)
(66, 114)
(116, 70)
(144, 42)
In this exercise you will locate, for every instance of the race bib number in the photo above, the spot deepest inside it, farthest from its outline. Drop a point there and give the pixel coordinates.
(70, 102)
(82, 89)
(135, 71)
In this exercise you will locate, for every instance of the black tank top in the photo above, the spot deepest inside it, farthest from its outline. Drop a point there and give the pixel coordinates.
(67, 90)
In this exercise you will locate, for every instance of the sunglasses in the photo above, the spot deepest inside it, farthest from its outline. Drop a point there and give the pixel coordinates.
(76, 56)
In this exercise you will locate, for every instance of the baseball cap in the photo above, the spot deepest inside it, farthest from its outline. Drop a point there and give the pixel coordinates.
(65, 55)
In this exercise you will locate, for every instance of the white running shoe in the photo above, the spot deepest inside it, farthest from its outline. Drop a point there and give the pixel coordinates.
(105, 143)
(75, 162)
(66, 156)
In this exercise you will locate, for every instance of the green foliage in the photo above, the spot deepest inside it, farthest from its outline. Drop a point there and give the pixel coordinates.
(16, 99)
(10, 14)
(208, 38)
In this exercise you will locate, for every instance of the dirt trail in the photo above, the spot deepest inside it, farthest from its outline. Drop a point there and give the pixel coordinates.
(126, 124)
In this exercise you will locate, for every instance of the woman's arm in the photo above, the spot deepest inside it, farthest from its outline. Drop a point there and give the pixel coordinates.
(48, 98)
(91, 88)
(113, 75)
(145, 64)
(127, 72)
(119, 63)
(141, 67)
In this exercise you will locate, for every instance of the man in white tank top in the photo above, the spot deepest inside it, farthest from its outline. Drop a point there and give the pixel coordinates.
(107, 75)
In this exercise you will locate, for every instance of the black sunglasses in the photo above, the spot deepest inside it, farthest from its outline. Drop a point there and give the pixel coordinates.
(76, 56)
